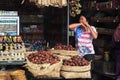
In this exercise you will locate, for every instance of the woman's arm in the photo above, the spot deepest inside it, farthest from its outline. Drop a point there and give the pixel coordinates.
(73, 26)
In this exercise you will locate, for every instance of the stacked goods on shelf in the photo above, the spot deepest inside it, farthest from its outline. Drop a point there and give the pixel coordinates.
(32, 27)
(63, 51)
(37, 45)
(44, 63)
(76, 67)
(12, 49)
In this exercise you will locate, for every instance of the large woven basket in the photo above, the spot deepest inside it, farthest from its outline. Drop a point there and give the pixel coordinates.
(70, 75)
(76, 71)
(44, 69)
(65, 52)
(76, 68)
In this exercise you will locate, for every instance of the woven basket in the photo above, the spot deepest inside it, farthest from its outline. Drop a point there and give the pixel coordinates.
(70, 75)
(65, 52)
(76, 71)
(4, 75)
(18, 75)
(62, 57)
(44, 69)
(76, 68)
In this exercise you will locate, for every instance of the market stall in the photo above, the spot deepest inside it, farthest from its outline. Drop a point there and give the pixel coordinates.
(36, 43)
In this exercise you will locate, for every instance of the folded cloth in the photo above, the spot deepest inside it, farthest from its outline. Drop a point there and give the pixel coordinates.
(78, 32)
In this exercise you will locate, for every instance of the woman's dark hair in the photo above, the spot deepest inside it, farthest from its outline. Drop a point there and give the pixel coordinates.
(87, 15)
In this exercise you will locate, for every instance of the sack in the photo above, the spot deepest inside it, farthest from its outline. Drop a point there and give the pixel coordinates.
(76, 68)
(4, 75)
(62, 57)
(44, 69)
(76, 71)
(64, 52)
(71, 75)
(18, 75)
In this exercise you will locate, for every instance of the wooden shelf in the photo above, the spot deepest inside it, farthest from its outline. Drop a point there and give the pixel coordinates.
(31, 32)
(30, 23)
(104, 20)
(105, 33)
(107, 9)
(102, 9)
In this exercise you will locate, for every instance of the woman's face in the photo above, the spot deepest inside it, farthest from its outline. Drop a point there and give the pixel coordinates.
(82, 19)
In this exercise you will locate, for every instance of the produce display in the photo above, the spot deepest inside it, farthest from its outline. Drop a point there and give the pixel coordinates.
(44, 63)
(76, 67)
(64, 47)
(76, 61)
(43, 57)
(64, 51)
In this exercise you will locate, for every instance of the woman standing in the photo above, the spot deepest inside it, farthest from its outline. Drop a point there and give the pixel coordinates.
(85, 33)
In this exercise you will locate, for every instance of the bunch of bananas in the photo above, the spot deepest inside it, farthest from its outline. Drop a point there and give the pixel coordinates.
(75, 7)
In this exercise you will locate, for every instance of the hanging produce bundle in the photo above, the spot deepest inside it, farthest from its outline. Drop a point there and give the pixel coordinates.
(75, 7)
(54, 3)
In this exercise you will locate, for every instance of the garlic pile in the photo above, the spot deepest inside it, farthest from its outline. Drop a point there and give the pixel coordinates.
(54, 3)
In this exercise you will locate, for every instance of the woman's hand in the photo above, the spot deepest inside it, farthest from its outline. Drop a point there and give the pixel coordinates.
(84, 26)
(93, 33)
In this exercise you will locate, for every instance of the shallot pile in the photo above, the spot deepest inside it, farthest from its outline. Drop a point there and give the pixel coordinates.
(64, 47)
(43, 57)
(76, 61)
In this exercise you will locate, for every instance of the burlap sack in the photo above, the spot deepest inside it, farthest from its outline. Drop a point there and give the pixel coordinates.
(29, 52)
(18, 75)
(62, 57)
(44, 69)
(4, 75)
(65, 52)
(71, 75)
(76, 68)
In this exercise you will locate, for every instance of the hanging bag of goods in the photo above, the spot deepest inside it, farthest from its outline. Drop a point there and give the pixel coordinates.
(76, 67)
(44, 63)
(54, 3)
